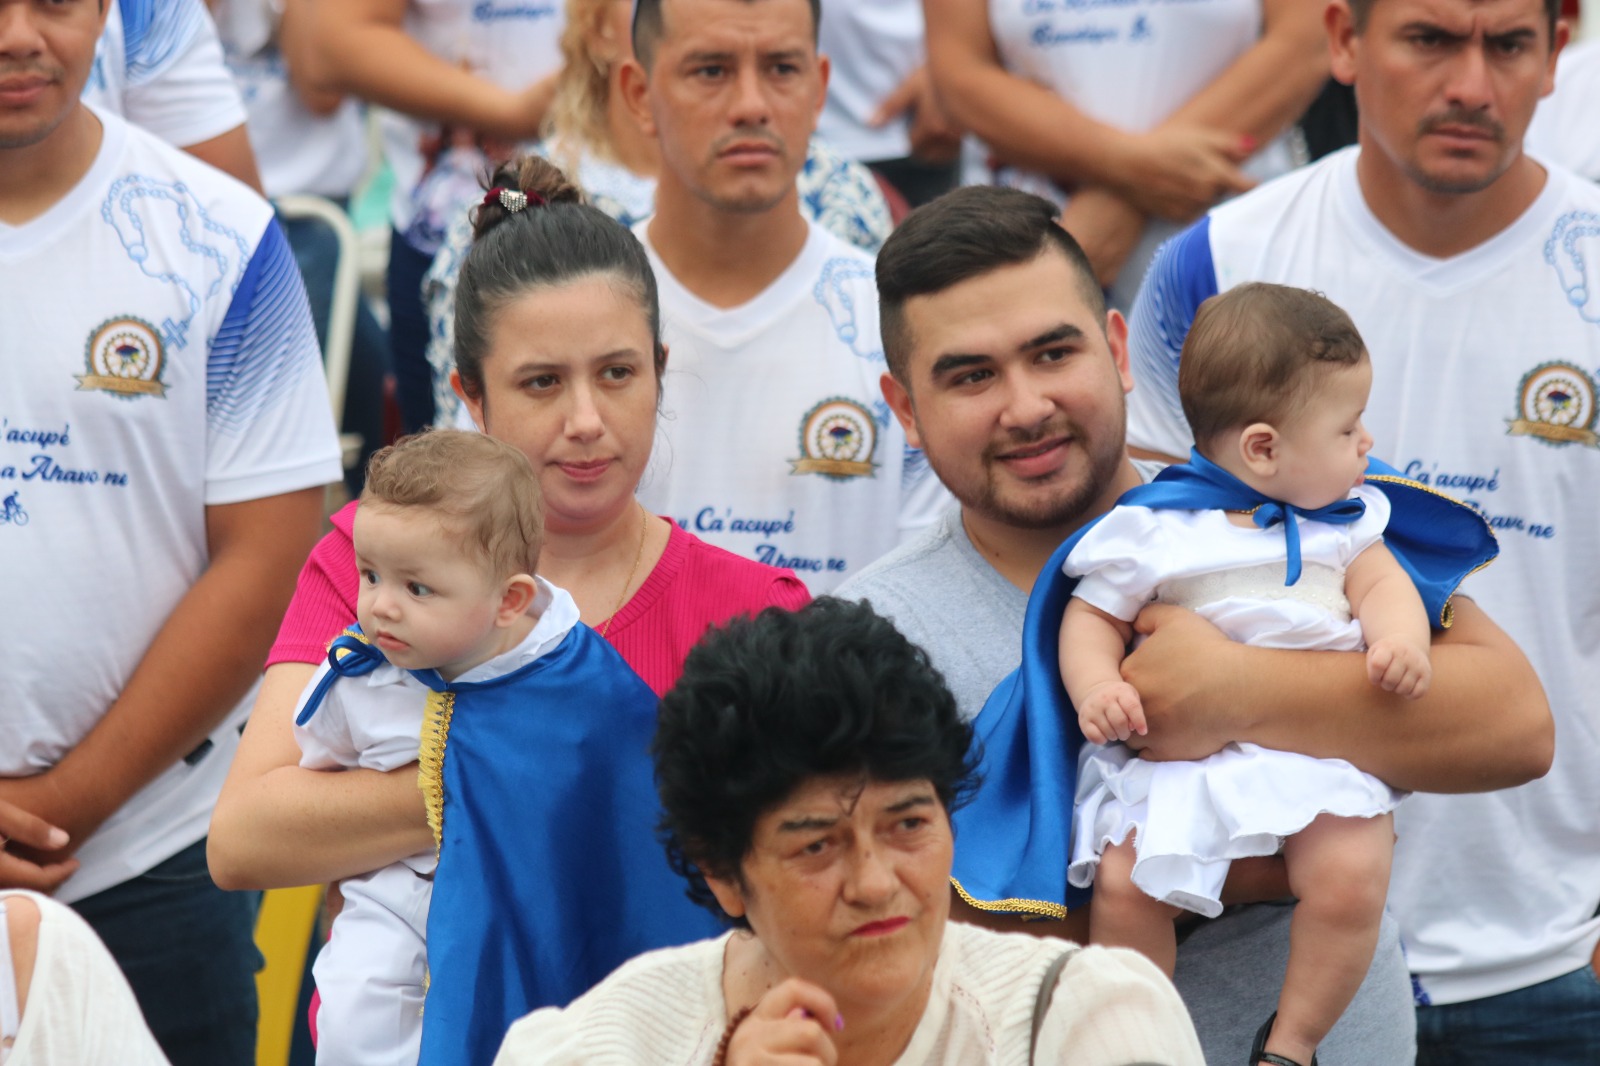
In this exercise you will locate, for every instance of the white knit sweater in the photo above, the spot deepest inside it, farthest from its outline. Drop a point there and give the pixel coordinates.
(80, 1010)
(1112, 1007)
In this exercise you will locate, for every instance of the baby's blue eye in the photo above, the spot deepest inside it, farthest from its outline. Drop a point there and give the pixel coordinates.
(417, 588)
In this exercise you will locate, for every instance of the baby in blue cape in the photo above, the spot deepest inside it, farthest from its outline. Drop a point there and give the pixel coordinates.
(447, 540)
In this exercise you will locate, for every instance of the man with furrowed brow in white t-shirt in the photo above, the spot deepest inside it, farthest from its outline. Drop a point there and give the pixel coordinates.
(1473, 272)
(776, 443)
(164, 439)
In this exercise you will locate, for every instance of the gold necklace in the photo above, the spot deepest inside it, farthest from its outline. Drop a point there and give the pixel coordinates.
(644, 524)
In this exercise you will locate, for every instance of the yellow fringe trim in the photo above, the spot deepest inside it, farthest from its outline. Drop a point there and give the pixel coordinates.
(351, 632)
(1027, 908)
(430, 759)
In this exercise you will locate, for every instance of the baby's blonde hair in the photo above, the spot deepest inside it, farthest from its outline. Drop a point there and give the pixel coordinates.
(479, 487)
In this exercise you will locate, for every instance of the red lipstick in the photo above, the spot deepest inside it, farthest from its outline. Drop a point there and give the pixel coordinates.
(882, 928)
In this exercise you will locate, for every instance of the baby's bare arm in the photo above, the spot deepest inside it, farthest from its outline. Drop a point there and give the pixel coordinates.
(1093, 645)
(1393, 622)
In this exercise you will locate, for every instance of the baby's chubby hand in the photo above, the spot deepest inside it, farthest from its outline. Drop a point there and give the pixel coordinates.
(1111, 711)
(1398, 665)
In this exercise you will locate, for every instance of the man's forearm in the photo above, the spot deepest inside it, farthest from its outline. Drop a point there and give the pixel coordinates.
(309, 76)
(384, 65)
(1026, 123)
(200, 664)
(1483, 725)
(230, 152)
(1272, 82)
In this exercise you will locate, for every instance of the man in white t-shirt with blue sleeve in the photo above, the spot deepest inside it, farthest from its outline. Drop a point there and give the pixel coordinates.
(159, 64)
(775, 442)
(1473, 272)
(164, 437)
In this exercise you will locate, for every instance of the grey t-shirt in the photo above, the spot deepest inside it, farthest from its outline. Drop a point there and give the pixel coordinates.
(946, 597)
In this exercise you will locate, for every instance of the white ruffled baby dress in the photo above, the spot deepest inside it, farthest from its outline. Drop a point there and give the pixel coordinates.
(1192, 819)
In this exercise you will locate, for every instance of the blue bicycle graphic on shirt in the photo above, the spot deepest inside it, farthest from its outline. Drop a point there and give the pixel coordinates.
(11, 511)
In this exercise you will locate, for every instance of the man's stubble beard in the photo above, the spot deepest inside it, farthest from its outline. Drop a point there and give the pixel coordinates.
(1050, 511)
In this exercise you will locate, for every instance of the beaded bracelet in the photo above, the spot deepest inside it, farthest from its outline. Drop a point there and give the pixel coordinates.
(721, 1057)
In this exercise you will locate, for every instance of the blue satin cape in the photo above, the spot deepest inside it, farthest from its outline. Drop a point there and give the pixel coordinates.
(1013, 839)
(550, 874)
(542, 797)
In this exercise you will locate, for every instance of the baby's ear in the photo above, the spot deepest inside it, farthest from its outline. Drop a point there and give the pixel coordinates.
(1258, 448)
(515, 599)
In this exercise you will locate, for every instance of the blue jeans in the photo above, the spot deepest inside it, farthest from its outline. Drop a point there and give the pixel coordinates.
(1554, 1023)
(408, 333)
(188, 949)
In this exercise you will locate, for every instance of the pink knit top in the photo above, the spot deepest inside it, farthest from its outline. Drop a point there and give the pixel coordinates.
(693, 586)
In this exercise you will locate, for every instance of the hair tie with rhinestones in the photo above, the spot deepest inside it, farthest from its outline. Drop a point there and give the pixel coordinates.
(513, 200)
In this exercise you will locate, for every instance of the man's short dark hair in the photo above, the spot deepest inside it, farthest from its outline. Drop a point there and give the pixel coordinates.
(766, 704)
(1361, 10)
(965, 234)
(647, 25)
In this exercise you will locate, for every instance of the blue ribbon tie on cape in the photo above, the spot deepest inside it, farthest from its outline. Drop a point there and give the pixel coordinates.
(550, 875)
(1201, 484)
(1013, 840)
(349, 655)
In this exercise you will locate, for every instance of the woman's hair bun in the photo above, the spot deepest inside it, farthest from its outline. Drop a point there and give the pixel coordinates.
(529, 174)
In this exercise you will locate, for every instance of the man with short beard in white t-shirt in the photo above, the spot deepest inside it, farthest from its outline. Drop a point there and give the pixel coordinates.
(1470, 268)
(1009, 371)
(775, 441)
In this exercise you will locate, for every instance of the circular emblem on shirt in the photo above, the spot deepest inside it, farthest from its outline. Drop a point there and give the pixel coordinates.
(124, 357)
(837, 439)
(1556, 403)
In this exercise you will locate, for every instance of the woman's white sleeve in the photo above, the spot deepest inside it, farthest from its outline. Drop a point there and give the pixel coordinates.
(1112, 1007)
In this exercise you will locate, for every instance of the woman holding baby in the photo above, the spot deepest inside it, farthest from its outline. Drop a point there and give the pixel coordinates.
(559, 355)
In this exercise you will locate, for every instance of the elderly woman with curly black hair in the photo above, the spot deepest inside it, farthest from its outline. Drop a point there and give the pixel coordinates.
(807, 765)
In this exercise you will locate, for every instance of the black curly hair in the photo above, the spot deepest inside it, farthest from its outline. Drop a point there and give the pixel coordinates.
(767, 703)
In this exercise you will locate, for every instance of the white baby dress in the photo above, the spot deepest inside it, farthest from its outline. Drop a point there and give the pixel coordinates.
(1193, 818)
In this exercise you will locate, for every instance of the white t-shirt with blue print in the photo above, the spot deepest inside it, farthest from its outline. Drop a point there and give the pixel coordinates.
(1129, 64)
(161, 360)
(159, 65)
(1486, 368)
(775, 442)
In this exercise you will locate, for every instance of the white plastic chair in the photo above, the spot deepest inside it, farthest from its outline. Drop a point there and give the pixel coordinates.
(342, 309)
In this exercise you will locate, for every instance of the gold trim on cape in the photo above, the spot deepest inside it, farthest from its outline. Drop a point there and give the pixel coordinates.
(1027, 908)
(430, 759)
(1447, 614)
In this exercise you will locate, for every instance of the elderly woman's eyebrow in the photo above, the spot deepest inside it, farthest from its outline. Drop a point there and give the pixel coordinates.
(812, 823)
(807, 825)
